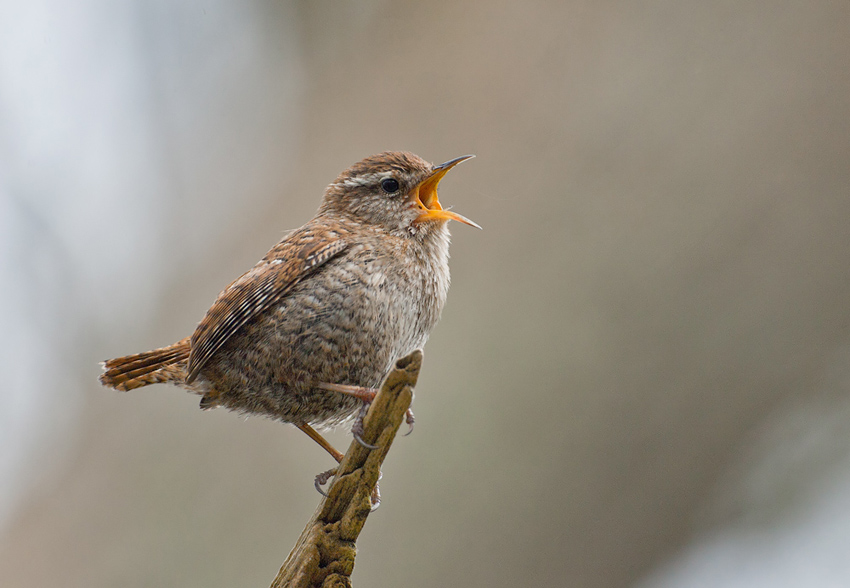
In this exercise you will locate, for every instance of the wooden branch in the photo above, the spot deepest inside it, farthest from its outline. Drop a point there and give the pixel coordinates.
(324, 554)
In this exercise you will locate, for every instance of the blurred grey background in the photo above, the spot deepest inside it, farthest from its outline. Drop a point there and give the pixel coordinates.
(641, 377)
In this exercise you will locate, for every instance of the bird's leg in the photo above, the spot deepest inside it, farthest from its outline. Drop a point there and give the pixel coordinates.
(366, 395)
(315, 436)
(324, 477)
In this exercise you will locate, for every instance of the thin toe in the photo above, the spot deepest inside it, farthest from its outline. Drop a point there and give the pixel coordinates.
(322, 479)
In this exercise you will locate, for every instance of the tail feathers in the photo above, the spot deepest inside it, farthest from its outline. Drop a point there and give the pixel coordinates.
(167, 364)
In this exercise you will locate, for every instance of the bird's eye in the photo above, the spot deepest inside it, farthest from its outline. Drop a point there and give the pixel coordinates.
(389, 185)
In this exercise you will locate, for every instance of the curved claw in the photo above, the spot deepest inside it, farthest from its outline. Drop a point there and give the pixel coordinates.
(360, 440)
(410, 420)
(318, 485)
(357, 428)
(322, 479)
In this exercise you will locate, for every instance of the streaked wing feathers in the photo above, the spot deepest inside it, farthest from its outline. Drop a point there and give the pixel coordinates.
(255, 291)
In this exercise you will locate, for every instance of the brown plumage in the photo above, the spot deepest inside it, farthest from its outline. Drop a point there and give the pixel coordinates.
(335, 302)
(150, 367)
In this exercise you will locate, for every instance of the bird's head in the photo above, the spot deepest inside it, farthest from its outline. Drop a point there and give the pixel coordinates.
(396, 190)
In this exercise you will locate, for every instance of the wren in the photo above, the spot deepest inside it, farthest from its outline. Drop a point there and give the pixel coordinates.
(308, 333)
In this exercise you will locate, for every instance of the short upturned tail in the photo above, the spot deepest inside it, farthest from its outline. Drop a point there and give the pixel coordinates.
(151, 367)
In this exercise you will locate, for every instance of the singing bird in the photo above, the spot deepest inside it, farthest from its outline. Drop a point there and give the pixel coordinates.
(307, 334)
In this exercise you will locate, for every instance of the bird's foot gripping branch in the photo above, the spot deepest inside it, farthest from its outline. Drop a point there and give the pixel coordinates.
(324, 553)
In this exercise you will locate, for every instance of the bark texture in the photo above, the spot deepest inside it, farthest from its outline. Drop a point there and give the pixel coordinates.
(324, 554)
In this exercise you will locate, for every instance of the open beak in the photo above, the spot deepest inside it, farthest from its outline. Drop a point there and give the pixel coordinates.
(425, 195)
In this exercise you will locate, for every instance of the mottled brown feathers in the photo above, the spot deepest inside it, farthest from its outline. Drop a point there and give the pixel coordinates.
(402, 162)
(151, 367)
(335, 302)
(259, 288)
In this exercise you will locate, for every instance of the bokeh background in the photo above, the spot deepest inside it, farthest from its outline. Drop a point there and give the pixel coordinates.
(642, 375)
